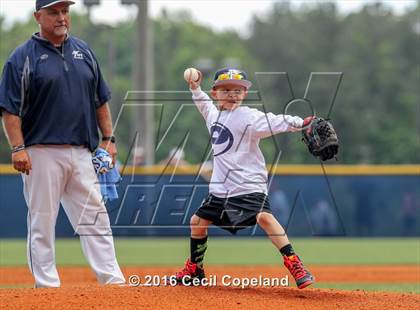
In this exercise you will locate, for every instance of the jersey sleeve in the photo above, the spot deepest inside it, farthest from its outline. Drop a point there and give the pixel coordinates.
(203, 102)
(10, 89)
(268, 124)
(102, 91)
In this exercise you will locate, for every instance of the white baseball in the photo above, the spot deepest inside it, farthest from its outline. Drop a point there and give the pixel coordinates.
(191, 74)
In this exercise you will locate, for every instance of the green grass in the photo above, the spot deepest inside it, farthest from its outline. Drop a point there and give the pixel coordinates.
(382, 287)
(12, 286)
(243, 251)
(387, 287)
(233, 251)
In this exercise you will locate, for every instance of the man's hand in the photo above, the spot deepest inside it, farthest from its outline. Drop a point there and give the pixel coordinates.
(13, 127)
(103, 115)
(111, 148)
(22, 162)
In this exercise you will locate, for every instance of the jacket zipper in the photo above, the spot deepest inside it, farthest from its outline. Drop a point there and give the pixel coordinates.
(66, 67)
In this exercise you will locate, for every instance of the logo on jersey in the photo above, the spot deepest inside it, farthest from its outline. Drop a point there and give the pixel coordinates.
(221, 138)
(77, 55)
(43, 56)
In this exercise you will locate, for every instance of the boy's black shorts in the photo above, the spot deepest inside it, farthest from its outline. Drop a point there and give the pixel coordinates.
(234, 213)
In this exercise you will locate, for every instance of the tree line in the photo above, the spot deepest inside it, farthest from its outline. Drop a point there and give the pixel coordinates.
(360, 69)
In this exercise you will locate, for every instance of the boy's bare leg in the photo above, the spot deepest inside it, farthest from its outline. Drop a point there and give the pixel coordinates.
(273, 229)
(198, 241)
(278, 236)
(198, 227)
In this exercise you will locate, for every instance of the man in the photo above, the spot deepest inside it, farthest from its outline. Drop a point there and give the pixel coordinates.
(52, 100)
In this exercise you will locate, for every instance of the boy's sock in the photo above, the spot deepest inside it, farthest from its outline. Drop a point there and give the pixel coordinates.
(287, 250)
(198, 248)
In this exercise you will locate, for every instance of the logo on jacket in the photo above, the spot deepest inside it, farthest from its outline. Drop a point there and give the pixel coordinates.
(221, 138)
(77, 55)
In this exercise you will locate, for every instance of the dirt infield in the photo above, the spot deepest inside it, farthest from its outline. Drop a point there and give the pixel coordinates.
(79, 290)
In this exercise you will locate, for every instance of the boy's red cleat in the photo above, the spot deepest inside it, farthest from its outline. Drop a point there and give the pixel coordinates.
(302, 276)
(191, 270)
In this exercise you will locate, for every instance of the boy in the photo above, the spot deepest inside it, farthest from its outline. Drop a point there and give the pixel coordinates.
(238, 188)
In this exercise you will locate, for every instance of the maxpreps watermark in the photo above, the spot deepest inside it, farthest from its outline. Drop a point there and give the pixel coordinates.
(214, 280)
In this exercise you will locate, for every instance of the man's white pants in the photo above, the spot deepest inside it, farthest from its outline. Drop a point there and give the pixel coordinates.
(66, 174)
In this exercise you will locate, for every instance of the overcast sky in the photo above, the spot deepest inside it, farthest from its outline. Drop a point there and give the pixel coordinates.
(219, 14)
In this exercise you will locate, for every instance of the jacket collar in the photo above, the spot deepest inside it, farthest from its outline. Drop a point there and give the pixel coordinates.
(37, 37)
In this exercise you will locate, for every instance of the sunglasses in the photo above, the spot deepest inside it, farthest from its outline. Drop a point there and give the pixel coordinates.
(230, 76)
(235, 91)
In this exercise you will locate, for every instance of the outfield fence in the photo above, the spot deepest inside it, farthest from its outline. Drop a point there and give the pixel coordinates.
(309, 200)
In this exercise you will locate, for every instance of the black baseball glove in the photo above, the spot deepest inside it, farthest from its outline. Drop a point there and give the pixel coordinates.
(321, 138)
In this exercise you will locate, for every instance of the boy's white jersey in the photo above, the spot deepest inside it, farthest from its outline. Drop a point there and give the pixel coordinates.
(239, 165)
